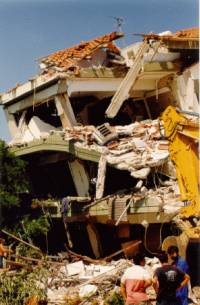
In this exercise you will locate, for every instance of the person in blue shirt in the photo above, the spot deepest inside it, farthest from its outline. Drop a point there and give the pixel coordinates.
(180, 263)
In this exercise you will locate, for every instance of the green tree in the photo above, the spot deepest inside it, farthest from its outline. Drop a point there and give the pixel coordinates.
(13, 179)
(17, 214)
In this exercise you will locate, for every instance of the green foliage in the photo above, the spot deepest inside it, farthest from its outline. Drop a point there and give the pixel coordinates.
(17, 213)
(115, 299)
(18, 288)
(36, 227)
(27, 251)
(29, 230)
(12, 177)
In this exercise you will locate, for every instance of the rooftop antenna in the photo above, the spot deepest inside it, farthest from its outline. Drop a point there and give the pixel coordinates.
(119, 23)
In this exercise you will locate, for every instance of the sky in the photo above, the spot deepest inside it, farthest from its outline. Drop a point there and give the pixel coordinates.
(30, 29)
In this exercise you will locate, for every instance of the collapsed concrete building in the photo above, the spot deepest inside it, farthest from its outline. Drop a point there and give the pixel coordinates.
(89, 127)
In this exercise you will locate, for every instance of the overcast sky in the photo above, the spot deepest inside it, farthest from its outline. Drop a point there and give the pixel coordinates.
(30, 29)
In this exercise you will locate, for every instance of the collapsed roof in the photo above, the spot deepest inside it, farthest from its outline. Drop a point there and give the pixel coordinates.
(72, 58)
(189, 34)
(183, 39)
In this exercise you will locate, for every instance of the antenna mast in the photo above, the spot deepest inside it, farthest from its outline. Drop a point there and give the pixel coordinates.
(120, 22)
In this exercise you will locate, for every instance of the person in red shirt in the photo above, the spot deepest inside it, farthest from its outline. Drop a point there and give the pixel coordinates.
(134, 282)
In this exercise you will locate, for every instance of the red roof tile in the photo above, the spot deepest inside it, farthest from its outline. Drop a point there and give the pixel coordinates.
(69, 58)
(188, 33)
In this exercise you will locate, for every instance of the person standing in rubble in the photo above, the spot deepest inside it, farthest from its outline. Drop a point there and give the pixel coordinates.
(3, 251)
(180, 263)
(167, 280)
(65, 205)
(134, 282)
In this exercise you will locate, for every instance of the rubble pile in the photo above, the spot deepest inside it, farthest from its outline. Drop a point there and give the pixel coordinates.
(136, 147)
(91, 283)
(166, 197)
(85, 282)
(81, 282)
(97, 283)
(195, 295)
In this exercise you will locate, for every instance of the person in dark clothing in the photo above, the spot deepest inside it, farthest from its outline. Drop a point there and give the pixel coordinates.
(180, 263)
(65, 205)
(167, 280)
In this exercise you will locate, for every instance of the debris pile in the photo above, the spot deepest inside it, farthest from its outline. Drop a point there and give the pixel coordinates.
(195, 295)
(77, 282)
(136, 147)
(85, 282)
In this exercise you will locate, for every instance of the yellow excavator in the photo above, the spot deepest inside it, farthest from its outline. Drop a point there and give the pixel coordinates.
(182, 131)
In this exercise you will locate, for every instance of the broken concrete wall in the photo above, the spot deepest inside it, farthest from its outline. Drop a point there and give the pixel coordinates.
(185, 89)
(162, 54)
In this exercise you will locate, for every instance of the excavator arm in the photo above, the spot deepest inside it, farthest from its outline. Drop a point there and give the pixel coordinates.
(182, 132)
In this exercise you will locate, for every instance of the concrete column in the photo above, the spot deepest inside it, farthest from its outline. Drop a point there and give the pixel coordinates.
(12, 125)
(94, 240)
(101, 177)
(80, 178)
(65, 110)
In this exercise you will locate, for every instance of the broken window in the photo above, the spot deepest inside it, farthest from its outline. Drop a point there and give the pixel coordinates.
(118, 180)
(46, 112)
(188, 57)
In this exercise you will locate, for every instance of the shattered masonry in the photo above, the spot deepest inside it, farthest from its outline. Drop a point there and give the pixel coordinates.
(89, 126)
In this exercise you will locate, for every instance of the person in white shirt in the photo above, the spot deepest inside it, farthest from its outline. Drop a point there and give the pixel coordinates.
(134, 282)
